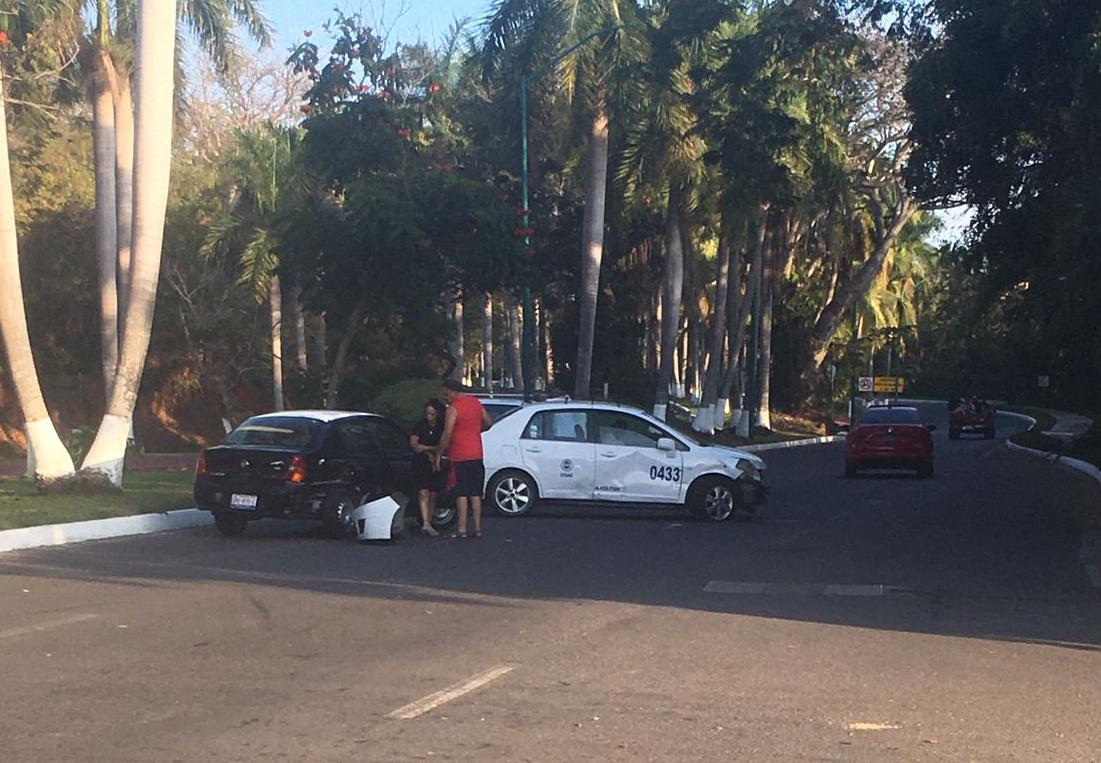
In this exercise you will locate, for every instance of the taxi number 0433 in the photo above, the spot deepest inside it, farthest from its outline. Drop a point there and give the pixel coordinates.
(666, 473)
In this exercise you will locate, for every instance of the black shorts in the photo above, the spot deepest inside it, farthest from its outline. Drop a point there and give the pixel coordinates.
(470, 478)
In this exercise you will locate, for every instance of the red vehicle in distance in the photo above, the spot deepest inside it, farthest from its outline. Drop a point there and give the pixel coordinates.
(970, 416)
(890, 437)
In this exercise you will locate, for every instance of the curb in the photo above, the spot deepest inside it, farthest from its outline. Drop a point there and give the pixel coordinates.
(99, 529)
(792, 443)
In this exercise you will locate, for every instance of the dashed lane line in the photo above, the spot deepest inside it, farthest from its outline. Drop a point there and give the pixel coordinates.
(797, 589)
(453, 692)
(29, 629)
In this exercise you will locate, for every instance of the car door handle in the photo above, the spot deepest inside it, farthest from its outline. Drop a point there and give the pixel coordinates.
(607, 455)
(533, 450)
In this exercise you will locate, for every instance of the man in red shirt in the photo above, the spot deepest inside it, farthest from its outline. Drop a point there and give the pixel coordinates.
(464, 423)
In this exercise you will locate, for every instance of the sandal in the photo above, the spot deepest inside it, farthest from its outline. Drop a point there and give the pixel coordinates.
(430, 531)
(457, 534)
(476, 534)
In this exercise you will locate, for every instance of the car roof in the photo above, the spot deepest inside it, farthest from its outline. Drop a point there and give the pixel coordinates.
(325, 416)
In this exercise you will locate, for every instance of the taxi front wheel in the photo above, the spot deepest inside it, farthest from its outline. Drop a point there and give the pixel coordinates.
(512, 493)
(713, 499)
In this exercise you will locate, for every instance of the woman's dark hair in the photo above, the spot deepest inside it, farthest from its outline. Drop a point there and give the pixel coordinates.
(438, 406)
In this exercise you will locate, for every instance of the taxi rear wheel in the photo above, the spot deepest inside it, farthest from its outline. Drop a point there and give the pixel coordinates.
(713, 499)
(512, 493)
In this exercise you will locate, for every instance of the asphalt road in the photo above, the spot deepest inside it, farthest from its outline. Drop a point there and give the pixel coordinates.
(877, 619)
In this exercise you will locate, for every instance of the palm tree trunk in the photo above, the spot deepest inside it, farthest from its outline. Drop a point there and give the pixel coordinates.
(298, 323)
(671, 301)
(516, 328)
(764, 362)
(275, 302)
(156, 44)
(318, 346)
(106, 225)
(124, 184)
(592, 246)
(487, 342)
(706, 418)
(548, 348)
(47, 458)
(456, 344)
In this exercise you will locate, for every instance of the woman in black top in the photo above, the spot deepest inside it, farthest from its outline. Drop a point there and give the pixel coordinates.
(428, 477)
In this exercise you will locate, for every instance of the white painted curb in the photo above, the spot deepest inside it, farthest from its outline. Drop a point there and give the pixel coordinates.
(792, 443)
(98, 529)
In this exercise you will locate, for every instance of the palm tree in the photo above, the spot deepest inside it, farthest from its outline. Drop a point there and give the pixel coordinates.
(106, 62)
(154, 90)
(47, 459)
(543, 30)
(267, 181)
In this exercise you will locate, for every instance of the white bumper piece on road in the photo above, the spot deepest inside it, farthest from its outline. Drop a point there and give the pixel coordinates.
(376, 520)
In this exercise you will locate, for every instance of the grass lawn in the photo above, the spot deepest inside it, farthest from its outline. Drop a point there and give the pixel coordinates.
(146, 492)
(785, 428)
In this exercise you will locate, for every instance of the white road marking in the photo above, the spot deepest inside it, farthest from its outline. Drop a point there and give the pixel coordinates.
(855, 590)
(795, 589)
(432, 701)
(28, 629)
(859, 726)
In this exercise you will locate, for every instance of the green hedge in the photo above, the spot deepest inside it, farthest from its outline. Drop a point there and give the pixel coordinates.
(404, 401)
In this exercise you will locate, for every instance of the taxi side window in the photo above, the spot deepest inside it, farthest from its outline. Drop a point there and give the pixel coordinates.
(617, 428)
(561, 426)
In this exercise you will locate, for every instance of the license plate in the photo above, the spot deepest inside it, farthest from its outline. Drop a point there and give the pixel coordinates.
(243, 502)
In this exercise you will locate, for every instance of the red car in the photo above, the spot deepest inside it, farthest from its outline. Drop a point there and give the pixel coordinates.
(971, 417)
(890, 437)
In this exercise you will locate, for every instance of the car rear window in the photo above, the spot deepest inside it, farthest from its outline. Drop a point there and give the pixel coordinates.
(890, 416)
(291, 432)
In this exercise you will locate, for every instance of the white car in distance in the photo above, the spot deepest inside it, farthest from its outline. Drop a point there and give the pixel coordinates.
(605, 453)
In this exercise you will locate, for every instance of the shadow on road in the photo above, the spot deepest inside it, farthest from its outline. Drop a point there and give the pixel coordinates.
(990, 552)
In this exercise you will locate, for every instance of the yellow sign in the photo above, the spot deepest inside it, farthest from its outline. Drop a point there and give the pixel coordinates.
(892, 384)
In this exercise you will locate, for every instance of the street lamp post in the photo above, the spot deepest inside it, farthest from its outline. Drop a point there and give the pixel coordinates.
(527, 360)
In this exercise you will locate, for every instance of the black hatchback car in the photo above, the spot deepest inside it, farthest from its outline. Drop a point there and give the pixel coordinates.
(302, 465)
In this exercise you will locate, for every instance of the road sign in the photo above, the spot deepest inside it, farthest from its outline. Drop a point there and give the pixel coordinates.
(1045, 382)
(865, 384)
(891, 384)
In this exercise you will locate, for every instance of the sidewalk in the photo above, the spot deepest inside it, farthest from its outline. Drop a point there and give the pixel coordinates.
(142, 462)
(1068, 426)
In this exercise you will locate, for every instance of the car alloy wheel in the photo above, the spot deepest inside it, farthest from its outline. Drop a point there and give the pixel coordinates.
(512, 495)
(718, 502)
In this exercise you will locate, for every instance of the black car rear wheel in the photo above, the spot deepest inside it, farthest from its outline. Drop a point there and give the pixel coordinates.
(336, 514)
(230, 524)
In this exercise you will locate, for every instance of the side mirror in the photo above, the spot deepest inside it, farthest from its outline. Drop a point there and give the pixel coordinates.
(667, 443)
(931, 427)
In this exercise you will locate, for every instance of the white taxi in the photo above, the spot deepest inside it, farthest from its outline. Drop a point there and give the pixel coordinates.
(607, 453)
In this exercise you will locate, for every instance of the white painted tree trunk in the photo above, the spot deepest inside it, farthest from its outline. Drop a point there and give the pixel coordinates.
(592, 246)
(275, 302)
(47, 458)
(106, 223)
(487, 342)
(156, 47)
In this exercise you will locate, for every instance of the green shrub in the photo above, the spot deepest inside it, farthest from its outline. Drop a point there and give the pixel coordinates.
(404, 401)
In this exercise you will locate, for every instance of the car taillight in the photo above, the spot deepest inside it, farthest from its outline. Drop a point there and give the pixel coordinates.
(200, 465)
(296, 473)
